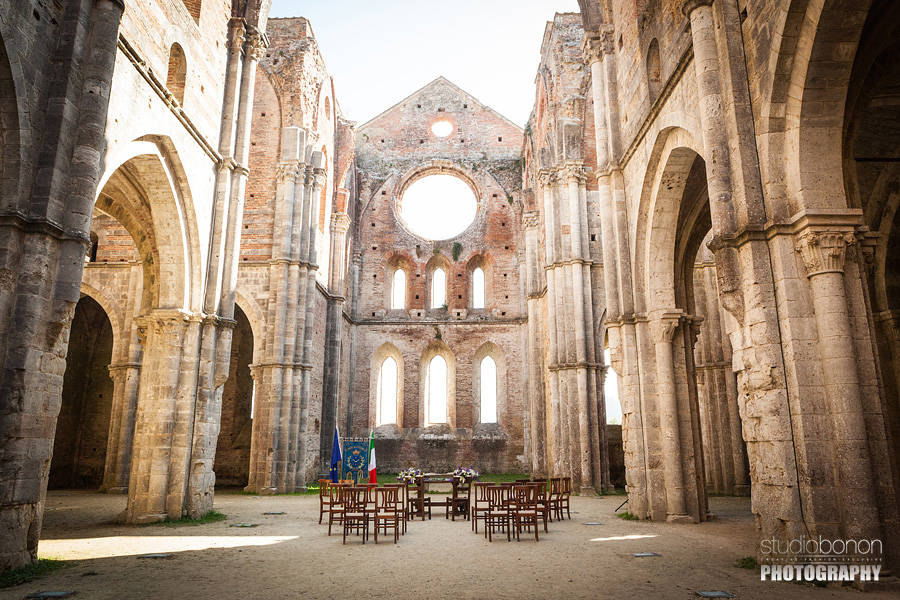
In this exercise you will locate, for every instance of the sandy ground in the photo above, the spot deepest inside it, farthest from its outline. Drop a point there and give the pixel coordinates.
(291, 556)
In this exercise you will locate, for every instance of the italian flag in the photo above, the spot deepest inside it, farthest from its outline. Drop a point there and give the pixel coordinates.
(373, 476)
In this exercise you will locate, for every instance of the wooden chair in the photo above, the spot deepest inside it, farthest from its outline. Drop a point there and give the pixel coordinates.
(402, 504)
(459, 500)
(324, 498)
(543, 501)
(356, 511)
(388, 513)
(336, 510)
(556, 497)
(420, 503)
(497, 516)
(564, 496)
(479, 505)
(524, 511)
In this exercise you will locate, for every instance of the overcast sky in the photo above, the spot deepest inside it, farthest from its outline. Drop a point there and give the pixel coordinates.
(380, 51)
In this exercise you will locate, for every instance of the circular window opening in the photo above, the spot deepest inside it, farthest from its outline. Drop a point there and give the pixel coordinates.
(442, 128)
(438, 207)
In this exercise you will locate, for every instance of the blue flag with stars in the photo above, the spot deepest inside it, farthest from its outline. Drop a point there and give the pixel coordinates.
(335, 457)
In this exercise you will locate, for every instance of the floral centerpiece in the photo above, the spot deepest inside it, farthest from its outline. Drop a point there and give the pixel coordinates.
(465, 475)
(409, 474)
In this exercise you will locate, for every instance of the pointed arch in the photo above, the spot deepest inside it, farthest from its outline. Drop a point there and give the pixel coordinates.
(383, 395)
(437, 385)
(489, 384)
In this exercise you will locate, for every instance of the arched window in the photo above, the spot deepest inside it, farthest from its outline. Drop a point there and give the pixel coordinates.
(398, 290)
(438, 288)
(95, 243)
(387, 392)
(488, 390)
(436, 402)
(177, 73)
(654, 70)
(478, 288)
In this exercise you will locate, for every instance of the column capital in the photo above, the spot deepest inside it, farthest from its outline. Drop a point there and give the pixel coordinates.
(237, 34)
(823, 251)
(531, 220)
(691, 5)
(287, 171)
(574, 171)
(592, 48)
(547, 177)
(663, 324)
(340, 222)
(256, 45)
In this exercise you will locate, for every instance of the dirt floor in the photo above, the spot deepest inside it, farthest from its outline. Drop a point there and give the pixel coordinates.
(291, 556)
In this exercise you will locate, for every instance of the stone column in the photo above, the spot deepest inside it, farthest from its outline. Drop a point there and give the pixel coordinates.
(535, 360)
(126, 381)
(340, 225)
(823, 255)
(662, 328)
(43, 238)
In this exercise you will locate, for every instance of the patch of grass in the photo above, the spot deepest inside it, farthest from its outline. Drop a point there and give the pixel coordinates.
(627, 516)
(212, 516)
(28, 573)
(748, 562)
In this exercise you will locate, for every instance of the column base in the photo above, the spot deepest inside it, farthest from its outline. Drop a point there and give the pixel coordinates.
(267, 491)
(741, 489)
(587, 490)
(609, 488)
(679, 519)
(121, 489)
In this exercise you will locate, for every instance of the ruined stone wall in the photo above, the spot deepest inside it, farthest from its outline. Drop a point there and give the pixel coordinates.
(392, 151)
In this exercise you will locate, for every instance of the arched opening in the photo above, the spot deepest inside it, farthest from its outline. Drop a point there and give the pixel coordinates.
(871, 159)
(438, 288)
(92, 251)
(654, 70)
(323, 194)
(177, 73)
(386, 401)
(611, 393)
(436, 392)
(398, 290)
(82, 428)
(488, 382)
(438, 207)
(478, 288)
(232, 462)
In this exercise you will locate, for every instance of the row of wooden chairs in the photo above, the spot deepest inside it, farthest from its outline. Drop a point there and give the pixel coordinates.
(354, 507)
(508, 507)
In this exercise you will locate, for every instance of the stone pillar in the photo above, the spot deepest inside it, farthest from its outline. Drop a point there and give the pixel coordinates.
(662, 328)
(153, 493)
(823, 255)
(43, 239)
(535, 358)
(126, 381)
(340, 225)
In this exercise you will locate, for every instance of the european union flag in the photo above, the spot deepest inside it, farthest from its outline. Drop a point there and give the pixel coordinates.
(335, 457)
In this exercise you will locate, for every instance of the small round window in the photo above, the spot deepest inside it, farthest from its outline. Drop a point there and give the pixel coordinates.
(438, 207)
(442, 128)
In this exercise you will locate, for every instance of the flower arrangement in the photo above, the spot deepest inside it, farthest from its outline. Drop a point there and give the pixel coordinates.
(409, 474)
(466, 474)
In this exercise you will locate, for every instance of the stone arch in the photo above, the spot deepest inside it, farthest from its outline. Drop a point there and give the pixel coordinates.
(114, 312)
(383, 352)
(145, 191)
(83, 426)
(231, 462)
(398, 261)
(814, 98)
(176, 75)
(437, 348)
(492, 350)
(667, 174)
(654, 70)
(438, 261)
(11, 146)
(257, 324)
(483, 261)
